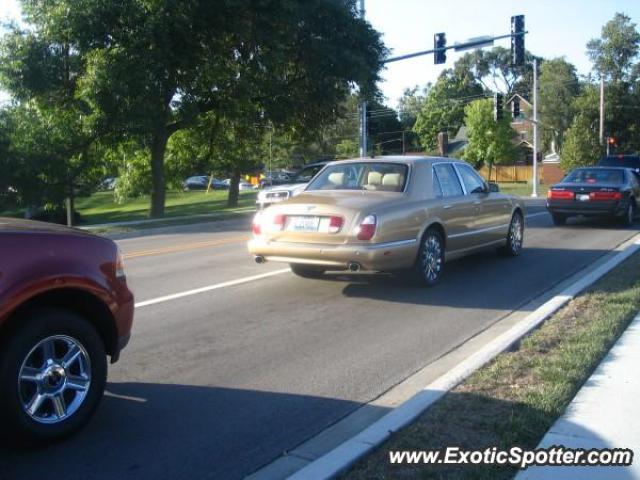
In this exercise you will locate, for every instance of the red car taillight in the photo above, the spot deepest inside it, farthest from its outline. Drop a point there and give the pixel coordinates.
(367, 228)
(278, 223)
(560, 195)
(261, 223)
(335, 224)
(256, 226)
(604, 196)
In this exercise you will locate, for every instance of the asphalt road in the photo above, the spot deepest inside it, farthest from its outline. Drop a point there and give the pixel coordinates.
(218, 383)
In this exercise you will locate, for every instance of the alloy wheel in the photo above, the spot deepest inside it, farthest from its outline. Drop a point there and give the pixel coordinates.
(516, 234)
(54, 379)
(431, 259)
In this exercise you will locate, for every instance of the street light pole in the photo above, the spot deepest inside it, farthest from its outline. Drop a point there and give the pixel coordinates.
(535, 128)
(602, 109)
(363, 109)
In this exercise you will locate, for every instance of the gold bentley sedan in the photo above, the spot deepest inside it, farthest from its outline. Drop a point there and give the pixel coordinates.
(388, 214)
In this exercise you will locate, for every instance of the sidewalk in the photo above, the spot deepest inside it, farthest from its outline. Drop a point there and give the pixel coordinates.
(604, 414)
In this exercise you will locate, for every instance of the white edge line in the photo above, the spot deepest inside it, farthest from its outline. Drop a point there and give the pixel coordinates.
(340, 458)
(208, 288)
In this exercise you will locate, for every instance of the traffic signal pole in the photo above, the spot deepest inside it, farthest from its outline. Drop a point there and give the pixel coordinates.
(535, 128)
(517, 37)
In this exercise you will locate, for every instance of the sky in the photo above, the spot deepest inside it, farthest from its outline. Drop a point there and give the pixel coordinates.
(557, 28)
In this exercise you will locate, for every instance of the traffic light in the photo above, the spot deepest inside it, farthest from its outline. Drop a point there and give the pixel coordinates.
(515, 107)
(612, 141)
(497, 106)
(517, 40)
(439, 41)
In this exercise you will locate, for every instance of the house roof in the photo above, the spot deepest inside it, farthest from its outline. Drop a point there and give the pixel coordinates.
(522, 99)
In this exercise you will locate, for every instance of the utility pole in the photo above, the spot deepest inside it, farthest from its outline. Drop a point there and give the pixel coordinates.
(601, 109)
(535, 128)
(363, 109)
(271, 151)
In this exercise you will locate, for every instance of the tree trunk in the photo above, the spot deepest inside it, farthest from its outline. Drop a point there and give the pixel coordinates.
(158, 148)
(71, 204)
(491, 168)
(234, 188)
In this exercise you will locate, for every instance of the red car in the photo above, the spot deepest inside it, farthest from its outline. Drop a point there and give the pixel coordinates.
(64, 307)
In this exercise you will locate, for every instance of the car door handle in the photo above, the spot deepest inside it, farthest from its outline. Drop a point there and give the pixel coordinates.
(446, 207)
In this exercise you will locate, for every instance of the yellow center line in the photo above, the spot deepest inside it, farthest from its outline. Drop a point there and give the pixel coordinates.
(187, 246)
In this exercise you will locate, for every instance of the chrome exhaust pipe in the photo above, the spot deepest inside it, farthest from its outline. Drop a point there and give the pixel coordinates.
(259, 259)
(353, 267)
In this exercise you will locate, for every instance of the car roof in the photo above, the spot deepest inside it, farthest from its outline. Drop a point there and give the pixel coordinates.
(602, 167)
(406, 159)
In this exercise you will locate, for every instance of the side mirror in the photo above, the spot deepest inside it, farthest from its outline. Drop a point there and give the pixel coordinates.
(493, 187)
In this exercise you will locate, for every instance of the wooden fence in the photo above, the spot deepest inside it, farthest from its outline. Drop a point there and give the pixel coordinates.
(510, 173)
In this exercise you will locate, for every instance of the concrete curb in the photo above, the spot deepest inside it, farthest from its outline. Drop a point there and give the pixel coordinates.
(346, 454)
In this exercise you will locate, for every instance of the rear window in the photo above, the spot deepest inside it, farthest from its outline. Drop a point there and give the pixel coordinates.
(595, 175)
(388, 177)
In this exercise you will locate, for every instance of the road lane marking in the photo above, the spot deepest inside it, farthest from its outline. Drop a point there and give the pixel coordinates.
(230, 283)
(209, 288)
(186, 247)
(531, 215)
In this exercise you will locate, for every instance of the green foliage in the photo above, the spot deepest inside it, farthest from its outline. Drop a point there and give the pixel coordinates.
(48, 155)
(443, 107)
(409, 107)
(347, 149)
(490, 142)
(558, 84)
(493, 70)
(146, 70)
(614, 53)
(581, 146)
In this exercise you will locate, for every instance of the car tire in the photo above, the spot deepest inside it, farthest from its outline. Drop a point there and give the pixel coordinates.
(428, 267)
(306, 271)
(558, 219)
(630, 214)
(515, 236)
(32, 360)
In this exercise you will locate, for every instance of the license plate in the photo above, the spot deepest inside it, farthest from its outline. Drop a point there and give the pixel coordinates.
(582, 197)
(304, 224)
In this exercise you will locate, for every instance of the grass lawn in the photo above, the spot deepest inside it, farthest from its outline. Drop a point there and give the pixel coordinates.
(523, 189)
(516, 398)
(101, 207)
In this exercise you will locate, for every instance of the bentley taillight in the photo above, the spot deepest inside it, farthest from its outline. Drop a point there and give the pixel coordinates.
(335, 224)
(278, 223)
(367, 228)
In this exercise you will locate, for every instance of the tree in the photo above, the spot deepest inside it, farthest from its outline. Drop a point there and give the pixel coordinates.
(409, 107)
(443, 107)
(53, 136)
(614, 53)
(490, 142)
(559, 86)
(494, 71)
(581, 146)
(384, 129)
(288, 63)
(614, 56)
